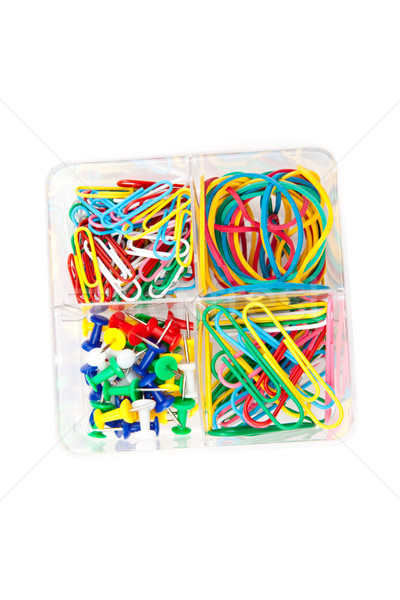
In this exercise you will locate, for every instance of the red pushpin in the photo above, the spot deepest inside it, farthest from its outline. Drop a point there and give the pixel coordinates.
(170, 335)
(178, 323)
(135, 333)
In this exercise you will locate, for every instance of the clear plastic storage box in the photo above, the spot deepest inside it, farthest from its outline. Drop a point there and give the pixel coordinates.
(240, 372)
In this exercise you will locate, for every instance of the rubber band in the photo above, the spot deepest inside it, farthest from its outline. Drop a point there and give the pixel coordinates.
(284, 243)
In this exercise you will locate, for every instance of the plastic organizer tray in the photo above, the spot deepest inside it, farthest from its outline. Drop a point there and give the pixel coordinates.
(321, 306)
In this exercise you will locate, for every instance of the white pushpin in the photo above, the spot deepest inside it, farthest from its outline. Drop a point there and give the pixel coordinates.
(190, 390)
(126, 358)
(96, 358)
(144, 407)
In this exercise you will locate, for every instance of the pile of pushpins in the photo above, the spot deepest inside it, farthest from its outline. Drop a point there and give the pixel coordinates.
(141, 374)
(131, 242)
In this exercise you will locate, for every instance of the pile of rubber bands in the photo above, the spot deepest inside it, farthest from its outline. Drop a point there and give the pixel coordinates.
(131, 242)
(266, 231)
(272, 366)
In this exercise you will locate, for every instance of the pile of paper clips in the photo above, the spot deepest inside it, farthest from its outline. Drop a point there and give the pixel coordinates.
(272, 365)
(265, 230)
(131, 242)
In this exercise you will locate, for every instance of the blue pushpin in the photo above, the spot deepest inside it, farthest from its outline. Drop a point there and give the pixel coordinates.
(90, 371)
(129, 428)
(151, 354)
(87, 369)
(95, 396)
(163, 401)
(94, 341)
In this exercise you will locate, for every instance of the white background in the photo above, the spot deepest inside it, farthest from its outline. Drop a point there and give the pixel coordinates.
(116, 80)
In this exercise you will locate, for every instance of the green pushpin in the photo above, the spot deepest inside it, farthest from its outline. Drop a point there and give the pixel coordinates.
(105, 374)
(130, 390)
(96, 434)
(165, 368)
(103, 406)
(183, 406)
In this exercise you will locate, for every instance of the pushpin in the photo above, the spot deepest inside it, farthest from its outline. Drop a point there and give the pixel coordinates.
(103, 406)
(179, 323)
(170, 336)
(114, 339)
(96, 434)
(163, 401)
(97, 359)
(86, 327)
(95, 396)
(123, 412)
(170, 384)
(98, 323)
(166, 367)
(105, 374)
(151, 354)
(183, 406)
(132, 390)
(126, 359)
(143, 407)
(128, 428)
(87, 369)
(136, 333)
(90, 371)
(92, 424)
(190, 389)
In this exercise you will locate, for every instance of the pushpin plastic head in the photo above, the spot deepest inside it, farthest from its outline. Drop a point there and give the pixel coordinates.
(96, 434)
(97, 359)
(165, 366)
(87, 369)
(99, 320)
(114, 338)
(86, 327)
(126, 358)
(127, 413)
(95, 396)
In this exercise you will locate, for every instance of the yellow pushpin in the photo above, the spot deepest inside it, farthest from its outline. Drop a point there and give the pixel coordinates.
(87, 327)
(124, 412)
(115, 339)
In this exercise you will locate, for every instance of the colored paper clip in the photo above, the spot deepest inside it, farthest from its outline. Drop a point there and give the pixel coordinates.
(240, 373)
(80, 271)
(113, 282)
(303, 363)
